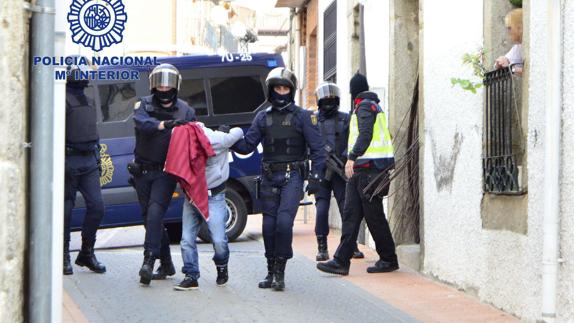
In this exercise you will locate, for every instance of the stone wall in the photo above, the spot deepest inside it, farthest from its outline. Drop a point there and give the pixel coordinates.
(13, 157)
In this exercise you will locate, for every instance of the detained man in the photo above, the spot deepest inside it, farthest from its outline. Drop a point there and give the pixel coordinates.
(216, 173)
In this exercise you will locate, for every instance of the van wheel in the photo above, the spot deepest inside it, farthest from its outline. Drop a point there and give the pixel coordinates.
(174, 231)
(237, 217)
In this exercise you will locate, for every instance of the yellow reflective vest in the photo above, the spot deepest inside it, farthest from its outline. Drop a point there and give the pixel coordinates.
(380, 146)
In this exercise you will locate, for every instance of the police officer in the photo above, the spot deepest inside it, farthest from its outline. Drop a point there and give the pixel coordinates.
(82, 170)
(370, 153)
(334, 126)
(286, 131)
(155, 116)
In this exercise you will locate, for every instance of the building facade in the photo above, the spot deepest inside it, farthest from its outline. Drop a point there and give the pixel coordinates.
(486, 242)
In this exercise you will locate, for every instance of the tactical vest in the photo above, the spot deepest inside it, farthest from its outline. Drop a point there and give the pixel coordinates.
(381, 145)
(152, 149)
(283, 142)
(81, 119)
(334, 131)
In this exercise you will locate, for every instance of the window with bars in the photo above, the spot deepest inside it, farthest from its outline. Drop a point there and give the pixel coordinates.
(502, 134)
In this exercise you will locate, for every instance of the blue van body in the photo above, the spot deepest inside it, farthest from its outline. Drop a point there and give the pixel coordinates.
(215, 73)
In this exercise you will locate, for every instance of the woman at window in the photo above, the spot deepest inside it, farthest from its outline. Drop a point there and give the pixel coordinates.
(513, 21)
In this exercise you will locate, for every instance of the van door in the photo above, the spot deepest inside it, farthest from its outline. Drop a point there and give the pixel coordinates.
(115, 103)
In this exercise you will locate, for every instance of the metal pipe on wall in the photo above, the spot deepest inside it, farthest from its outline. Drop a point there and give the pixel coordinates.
(39, 307)
(552, 142)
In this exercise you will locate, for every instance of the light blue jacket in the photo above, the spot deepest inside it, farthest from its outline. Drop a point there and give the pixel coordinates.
(217, 167)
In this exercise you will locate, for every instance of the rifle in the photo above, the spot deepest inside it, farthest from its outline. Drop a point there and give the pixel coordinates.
(334, 165)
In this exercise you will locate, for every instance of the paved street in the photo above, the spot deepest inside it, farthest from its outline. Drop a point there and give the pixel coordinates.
(311, 296)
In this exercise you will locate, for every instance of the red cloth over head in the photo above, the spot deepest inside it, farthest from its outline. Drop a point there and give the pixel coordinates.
(187, 154)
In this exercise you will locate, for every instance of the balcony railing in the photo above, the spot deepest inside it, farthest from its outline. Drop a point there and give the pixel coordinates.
(500, 169)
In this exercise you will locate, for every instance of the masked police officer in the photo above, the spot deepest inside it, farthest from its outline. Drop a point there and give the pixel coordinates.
(370, 153)
(82, 170)
(155, 116)
(286, 131)
(334, 126)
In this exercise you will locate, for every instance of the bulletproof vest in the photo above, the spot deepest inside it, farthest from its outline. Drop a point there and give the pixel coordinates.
(283, 142)
(152, 149)
(335, 132)
(81, 119)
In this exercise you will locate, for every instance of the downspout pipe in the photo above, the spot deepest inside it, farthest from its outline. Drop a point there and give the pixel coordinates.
(39, 307)
(552, 142)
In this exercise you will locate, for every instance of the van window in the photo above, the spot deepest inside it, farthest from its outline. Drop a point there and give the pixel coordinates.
(236, 94)
(193, 92)
(117, 101)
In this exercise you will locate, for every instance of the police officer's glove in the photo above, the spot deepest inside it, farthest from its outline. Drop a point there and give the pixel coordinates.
(170, 124)
(325, 183)
(224, 128)
(313, 185)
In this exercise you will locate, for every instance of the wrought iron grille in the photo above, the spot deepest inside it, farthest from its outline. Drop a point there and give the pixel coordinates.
(500, 169)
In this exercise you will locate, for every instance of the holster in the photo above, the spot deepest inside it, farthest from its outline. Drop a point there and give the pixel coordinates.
(135, 169)
(258, 180)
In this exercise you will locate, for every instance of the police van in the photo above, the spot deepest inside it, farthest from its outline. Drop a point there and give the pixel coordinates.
(226, 89)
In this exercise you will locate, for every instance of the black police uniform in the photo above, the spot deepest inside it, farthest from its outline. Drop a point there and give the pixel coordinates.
(82, 173)
(335, 132)
(357, 205)
(155, 187)
(286, 134)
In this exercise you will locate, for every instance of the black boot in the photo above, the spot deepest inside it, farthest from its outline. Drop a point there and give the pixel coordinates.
(357, 254)
(87, 258)
(68, 270)
(146, 271)
(166, 268)
(266, 283)
(333, 267)
(279, 273)
(322, 253)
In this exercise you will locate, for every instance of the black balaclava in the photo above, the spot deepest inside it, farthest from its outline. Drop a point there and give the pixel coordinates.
(165, 97)
(328, 107)
(280, 101)
(357, 85)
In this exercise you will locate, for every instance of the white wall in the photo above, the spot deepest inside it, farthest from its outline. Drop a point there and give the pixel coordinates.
(343, 52)
(500, 267)
(566, 278)
(448, 256)
(377, 46)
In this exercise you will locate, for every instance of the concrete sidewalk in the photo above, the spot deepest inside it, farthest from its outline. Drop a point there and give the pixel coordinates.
(406, 290)
(421, 298)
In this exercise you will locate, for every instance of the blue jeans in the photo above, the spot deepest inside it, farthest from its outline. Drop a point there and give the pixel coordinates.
(191, 223)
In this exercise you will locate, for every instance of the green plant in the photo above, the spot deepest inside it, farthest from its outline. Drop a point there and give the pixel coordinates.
(516, 3)
(476, 62)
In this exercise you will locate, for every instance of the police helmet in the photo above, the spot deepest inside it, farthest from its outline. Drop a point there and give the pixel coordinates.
(281, 76)
(164, 75)
(327, 91)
